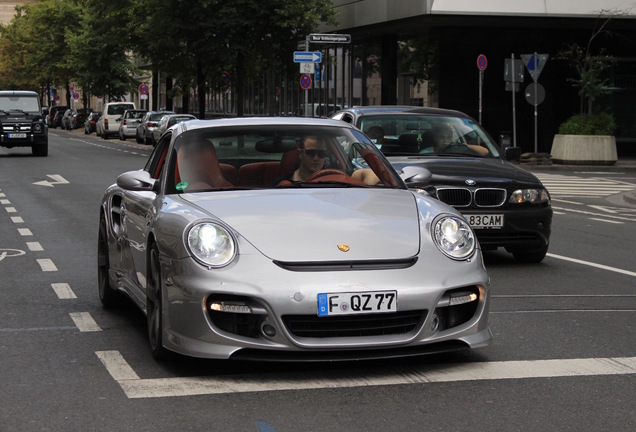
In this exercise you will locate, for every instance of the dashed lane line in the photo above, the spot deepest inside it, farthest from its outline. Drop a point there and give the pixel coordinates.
(25, 232)
(35, 246)
(47, 265)
(63, 291)
(17, 219)
(136, 387)
(84, 322)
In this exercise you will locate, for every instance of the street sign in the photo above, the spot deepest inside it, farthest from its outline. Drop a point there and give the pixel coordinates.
(482, 62)
(534, 63)
(329, 38)
(305, 81)
(307, 68)
(75, 96)
(302, 45)
(535, 94)
(143, 89)
(307, 56)
(513, 70)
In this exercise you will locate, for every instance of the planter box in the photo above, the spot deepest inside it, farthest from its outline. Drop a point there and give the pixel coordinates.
(584, 150)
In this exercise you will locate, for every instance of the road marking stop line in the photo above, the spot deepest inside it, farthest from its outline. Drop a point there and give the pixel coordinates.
(135, 387)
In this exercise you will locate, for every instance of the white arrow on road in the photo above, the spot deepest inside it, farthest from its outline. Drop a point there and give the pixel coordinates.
(57, 179)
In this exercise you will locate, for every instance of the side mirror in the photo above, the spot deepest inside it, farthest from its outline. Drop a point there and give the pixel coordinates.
(415, 174)
(137, 181)
(512, 154)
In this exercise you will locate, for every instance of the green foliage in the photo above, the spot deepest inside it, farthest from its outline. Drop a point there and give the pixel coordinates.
(93, 42)
(589, 124)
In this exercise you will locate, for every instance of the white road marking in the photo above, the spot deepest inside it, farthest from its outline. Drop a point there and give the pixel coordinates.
(34, 246)
(84, 322)
(17, 219)
(63, 291)
(631, 219)
(591, 264)
(607, 221)
(135, 387)
(5, 202)
(57, 180)
(11, 210)
(25, 232)
(47, 265)
(2, 195)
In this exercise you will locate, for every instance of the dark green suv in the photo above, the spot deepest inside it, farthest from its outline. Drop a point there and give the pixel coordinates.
(21, 122)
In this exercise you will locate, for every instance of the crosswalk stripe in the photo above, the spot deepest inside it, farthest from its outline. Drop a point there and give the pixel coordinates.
(562, 185)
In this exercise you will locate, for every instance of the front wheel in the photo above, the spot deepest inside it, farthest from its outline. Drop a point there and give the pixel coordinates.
(154, 307)
(107, 295)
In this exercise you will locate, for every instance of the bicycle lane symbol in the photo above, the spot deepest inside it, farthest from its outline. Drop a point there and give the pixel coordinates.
(10, 253)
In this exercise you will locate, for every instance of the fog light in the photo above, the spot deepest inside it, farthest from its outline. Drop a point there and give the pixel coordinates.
(434, 322)
(229, 307)
(466, 298)
(268, 330)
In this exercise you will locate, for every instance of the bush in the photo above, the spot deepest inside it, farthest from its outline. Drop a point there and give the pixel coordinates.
(589, 124)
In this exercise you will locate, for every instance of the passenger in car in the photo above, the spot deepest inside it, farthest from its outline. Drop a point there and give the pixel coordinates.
(444, 140)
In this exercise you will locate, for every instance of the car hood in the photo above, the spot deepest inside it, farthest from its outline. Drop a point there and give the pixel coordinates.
(302, 225)
(453, 170)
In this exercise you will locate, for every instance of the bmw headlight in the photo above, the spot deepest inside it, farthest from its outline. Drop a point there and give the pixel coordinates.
(532, 196)
(454, 237)
(211, 244)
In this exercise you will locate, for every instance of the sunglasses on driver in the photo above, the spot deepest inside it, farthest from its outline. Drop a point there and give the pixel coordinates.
(310, 153)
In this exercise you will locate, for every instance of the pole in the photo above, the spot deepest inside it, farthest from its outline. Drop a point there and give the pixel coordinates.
(536, 114)
(514, 103)
(481, 76)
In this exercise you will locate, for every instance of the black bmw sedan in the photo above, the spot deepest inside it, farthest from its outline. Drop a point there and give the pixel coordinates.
(506, 206)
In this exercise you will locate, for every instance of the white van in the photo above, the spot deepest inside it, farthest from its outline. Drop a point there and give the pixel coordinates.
(111, 117)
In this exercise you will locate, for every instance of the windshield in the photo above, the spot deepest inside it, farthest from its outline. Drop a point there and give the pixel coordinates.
(408, 134)
(264, 157)
(118, 109)
(19, 103)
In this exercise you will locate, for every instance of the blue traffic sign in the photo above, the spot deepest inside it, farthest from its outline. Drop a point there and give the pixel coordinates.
(307, 56)
(305, 81)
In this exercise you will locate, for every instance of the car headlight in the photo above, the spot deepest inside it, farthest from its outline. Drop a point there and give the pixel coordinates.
(454, 237)
(532, 196)
(37, 127)
(211, 244)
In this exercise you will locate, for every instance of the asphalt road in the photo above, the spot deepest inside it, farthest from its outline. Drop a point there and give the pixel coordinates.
(563, 355)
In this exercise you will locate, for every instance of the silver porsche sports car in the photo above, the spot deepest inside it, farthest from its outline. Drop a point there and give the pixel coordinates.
(288, 239)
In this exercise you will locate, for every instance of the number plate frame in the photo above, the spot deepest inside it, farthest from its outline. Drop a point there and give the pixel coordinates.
(17, 135)
(485, 221)
(355, 303)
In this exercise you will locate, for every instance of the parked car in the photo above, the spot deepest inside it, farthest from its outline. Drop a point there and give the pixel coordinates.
(506, 206)
(21, 122)
(65, 123)
(111, 116)
(229, 263)
(166, 122)
(79, 116)
(129, 122)
(148, 123)
(90, 125)
(54, 118)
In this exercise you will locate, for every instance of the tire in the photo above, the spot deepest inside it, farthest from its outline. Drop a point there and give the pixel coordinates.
(530, 257)
(40, 150)
(104, 135)
(108, 296)
(154, 307)
(139, 139)
(86, 132)
(147, 140)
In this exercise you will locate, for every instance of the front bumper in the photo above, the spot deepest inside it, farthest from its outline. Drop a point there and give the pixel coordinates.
(277, 296)
(31, 139)
(525, 228)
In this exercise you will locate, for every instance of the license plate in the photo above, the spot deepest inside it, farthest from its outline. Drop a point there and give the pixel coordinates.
(357, 303)
(485, 220)
(17, 135)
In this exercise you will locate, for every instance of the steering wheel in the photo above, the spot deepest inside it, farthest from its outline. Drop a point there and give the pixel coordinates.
(335, 174)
